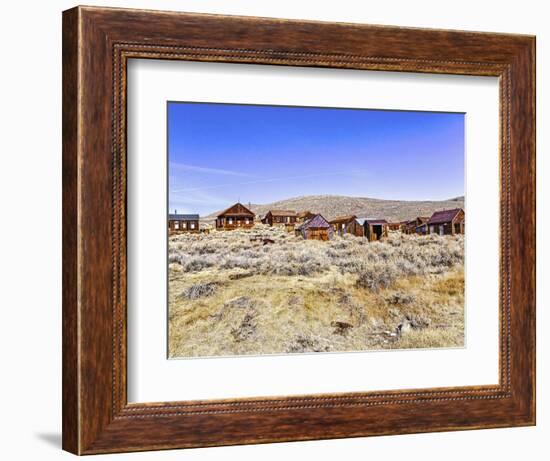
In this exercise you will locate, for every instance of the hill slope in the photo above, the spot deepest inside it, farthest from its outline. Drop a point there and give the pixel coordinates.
(331, 206)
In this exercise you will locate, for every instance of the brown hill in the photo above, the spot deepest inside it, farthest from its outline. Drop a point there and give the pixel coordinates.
(331, 206)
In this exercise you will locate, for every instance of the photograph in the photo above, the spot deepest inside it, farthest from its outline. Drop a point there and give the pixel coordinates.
(312, 229)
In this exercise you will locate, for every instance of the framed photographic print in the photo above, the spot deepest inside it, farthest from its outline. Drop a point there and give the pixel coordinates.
(282, 230)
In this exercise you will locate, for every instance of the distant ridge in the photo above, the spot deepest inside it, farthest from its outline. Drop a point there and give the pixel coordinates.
(331, 206)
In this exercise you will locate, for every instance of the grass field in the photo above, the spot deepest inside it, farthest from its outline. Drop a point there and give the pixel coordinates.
(231, 296)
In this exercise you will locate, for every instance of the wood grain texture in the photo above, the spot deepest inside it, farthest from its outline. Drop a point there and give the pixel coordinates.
(97, 43)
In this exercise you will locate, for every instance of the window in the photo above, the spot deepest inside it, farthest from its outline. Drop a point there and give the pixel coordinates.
(192, 225)
(176, 224)
(229, 220)
(246, 220)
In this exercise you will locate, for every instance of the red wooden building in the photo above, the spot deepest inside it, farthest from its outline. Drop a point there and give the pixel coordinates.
(235, 217)
(447, 222)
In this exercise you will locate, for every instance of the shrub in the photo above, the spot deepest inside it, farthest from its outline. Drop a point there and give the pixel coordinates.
(376, 277)
(376, 265)
(200, 290)
(400, 298)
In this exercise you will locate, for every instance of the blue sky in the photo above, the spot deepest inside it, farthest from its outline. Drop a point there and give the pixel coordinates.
(221, 153)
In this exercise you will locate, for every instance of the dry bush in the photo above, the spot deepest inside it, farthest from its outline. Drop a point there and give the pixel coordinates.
(400, 298)
(376, 264)
(200, 290)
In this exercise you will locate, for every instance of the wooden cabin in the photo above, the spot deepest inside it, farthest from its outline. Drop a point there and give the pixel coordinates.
(347, 225)
(316, 228)
(235, 217)
(183, 223)
(417, 226)
(396, 226)
(447, 222)
(280, 218)
(375, 229)
(303, 216)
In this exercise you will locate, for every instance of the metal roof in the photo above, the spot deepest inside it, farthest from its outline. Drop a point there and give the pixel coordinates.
(317, 222)
(444, 216)
(183, 217)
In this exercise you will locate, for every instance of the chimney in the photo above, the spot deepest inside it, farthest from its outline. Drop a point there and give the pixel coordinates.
(175, 211)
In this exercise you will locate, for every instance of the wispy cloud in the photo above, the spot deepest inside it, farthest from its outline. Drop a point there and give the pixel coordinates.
(206, 170)
(268, 180)
(196, 202)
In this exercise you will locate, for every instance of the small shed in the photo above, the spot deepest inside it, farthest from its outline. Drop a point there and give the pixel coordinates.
(347, 225)
(235, 217)
(447, 222)
(280, 218)
(183, 222)
(316, 228)
(375, 229)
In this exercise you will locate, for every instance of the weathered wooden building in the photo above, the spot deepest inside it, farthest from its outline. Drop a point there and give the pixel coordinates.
(303, 216)
(447, 222)
(235, 217)
(316, 228)
(280, 218)
(375, 229)
(417, 226)
(396, 226)
(183, 222)
(347, 225)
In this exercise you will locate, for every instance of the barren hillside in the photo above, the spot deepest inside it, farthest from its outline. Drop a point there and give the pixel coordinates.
(331, 206)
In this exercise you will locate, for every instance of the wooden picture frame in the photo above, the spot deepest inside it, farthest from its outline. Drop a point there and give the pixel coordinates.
(97, 43)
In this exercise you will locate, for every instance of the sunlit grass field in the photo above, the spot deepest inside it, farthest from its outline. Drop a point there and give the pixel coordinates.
(229, 295)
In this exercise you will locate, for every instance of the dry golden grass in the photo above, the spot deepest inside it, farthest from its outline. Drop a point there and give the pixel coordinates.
(303, 296)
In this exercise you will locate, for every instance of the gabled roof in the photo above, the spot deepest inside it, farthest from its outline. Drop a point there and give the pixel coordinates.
(281, 213)
(343, 219)
(444, 216)
(375, 221)
(317, 221)
(237, 210)
(183, 217)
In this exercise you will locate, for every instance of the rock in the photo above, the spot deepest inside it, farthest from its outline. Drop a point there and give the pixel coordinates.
(240, 275)
(199, 290)
(246, 330)
(341, 328)
(305, 344)
(403, 328)
(236, 304)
